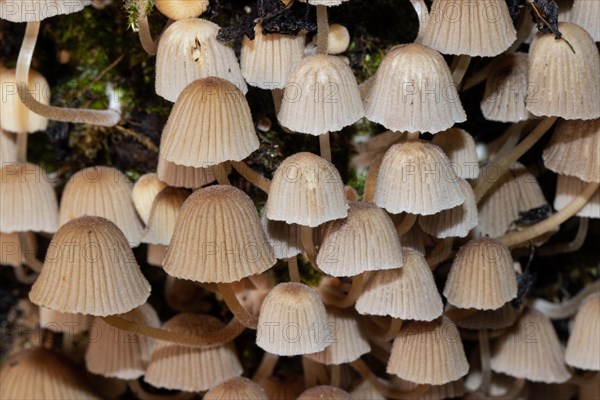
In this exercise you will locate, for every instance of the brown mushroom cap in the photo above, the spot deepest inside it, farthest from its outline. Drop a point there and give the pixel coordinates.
(583, 348)
(38, 10)
(236, 389)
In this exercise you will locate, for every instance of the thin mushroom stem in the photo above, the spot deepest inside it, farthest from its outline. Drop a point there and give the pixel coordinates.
(325, 146)
(440, 253)
(460, 66)
(512, 394)
(478, 77)
(22, 139)
(574, 245)
(322, 30)
(486, 369)
(308, 244)
(277, 95)
(220, 171)
(94, 117)
(30, 260)
(266, 367)
(516, 238)
(502, 164)
(350, 298)
(412, 135)
(567, 308)
(383, 387)
(23, 277)
(336, 375)
(314, 373)
(148, 44)
(507, 141)
(394, 328)
(214, 339)
(232, 301)
(252, 176)
(292, 263)
(423, 15)
(407, 223)
(141, 393)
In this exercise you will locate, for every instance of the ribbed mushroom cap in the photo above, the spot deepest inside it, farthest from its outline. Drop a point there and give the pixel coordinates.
(335, 104)
(90, 269)
(70, 324)
(428, 353)
(506, 89)
(284, 238)
(448, 390)
(28, 199)
(42, 374)
(15, 253)
(268, 60)
(177, 9)
(189, 50)
(324, 392)
(583, 348)
(500, 318)
(306, 190)
(182, 176)
(455, 222)
(459, 146)
(413, 91)
(575, 150)
(347, 341)
(124, 356)
(192, 369)
(37, 10)
(209, 124)
(406, 293)
(479, 29)
(16, 117)
(8, 147)
(515, 192)
(218, 237)
(102, 192)
(364, 241)
(288, 313)
(531, 350)
(565, 74)
(236, 389)
(416, 177)
(144, 191)
(482, 276)
(567, 188)
(163, 216)
(586, 13)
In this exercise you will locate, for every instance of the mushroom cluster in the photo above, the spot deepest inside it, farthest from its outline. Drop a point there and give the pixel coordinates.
(421, 283)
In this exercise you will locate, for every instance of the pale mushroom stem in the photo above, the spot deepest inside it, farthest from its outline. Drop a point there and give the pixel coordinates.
(314, 373)
(478, 77)
(512, 394)
(252, 176)
(148, 44)
(486, 369)
(277, 95)
(94, 117)
(232, 301)
(228, 333)
(322, 30)
(423, 15)
(383, 387)
(507, 141)
(23, 277)
(565, 309)
(574, 245)
(460, 66)
(407, 223)
(30, 259)
(514, 239)
(350, 298)
(308, 244)
(440, 253)
(266, 367)
(394, 328)
(502, 164)
(293, 269)
(325, 146)
(22, 139)
(412, 135)
(220, 171)
(336, 375)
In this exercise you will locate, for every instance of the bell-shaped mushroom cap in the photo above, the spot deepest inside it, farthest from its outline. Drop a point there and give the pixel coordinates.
(500, 318)
(531, 350)
(515, 192)
(28, 199)
(413, 91)
(182, 176)
(209, 124)
(321, 95)
(455, 222)
(268, 59)
(338, 40)
(90, 269)
(428, 353)
(8, 147)
(42, 374)
(15, 251)
(218, 237)
(163, 216)
(173, 366)
(189, 50)
(306, 190)
(416, 177)
(282, 388)
(348, 341)
(177, 9)
(567, 188)
(583, 348)
(364, 241)
(448, 390)
(586, 13)
(406, 293)
(506, 89)
(575, 150)
(144, 191)
(482, 276)
(123, 356)
(236, 389)
(324, 392)
(70, 324)
(366, 390)
(16, 117)
(287, 315)
(284, 238)
(37, 10)
(102, 192)
(565, 74)
(460, 148)
(482, 28)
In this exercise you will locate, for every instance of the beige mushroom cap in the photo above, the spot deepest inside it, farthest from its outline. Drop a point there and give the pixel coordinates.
(163, 216)
(236, 389)
(182, 176)
(583, 347)
(460, 148)
(324, 392)
(567, 188)
(177, 9)
(143, 193)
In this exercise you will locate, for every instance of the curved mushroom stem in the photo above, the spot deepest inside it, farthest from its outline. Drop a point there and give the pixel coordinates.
(232, 301)
(325, 146)
(314, 373)
(350, 298)
(507, 141)
(148, 44)
(486, 369)
(440, 253)
(567, 308)
(459, 68)
(266, 367)
(394, 328)
(141, 393)
(383, 387)
(574, 245)
(478, 77)
(516, 238)
(94, 117)
(502, 164)
(220, 171)
(23, 277)
(407, 223)
(252, 176)
(292, 263)
(423, 15)
(213, 339)
(30, 259)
